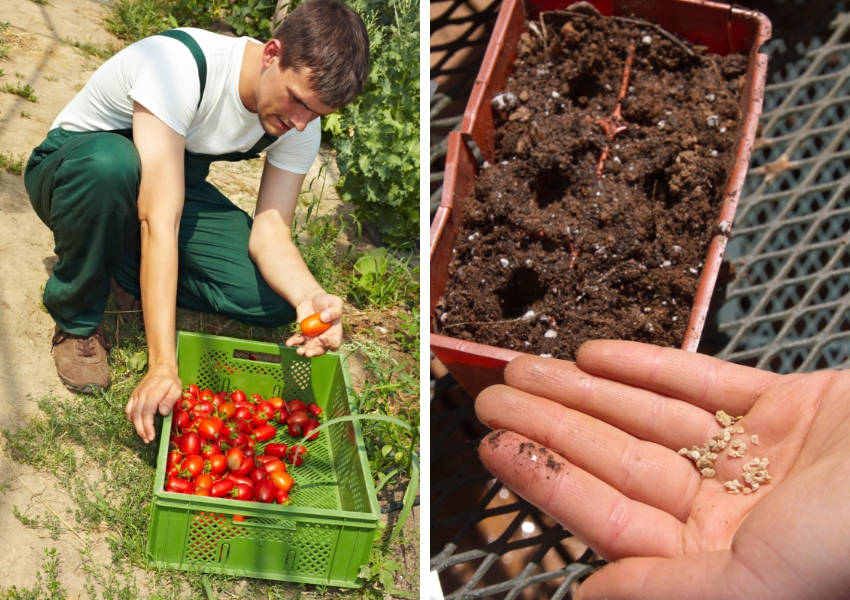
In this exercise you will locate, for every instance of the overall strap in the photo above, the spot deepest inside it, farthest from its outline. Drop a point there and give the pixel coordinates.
(198, 54)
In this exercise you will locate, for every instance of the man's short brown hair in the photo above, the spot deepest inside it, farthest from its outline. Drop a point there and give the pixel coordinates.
(330, 39)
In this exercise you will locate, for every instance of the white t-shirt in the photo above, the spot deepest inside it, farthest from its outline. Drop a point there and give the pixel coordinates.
(160, 73)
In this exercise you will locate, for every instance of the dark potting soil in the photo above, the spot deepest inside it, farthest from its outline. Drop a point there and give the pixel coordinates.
(614, 143)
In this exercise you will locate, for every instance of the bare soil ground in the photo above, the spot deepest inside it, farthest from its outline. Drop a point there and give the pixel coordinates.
(41, 39)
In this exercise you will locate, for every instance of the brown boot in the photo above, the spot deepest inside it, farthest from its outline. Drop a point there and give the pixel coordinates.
(81, 361)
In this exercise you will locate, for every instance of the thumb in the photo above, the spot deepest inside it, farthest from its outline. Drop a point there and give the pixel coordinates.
(692, 577)
(164, 408)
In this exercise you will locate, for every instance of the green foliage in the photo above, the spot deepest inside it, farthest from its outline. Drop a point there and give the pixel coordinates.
(47, 586)
(379, 279)
(25, 91)
(11, 163)
(134, 19)
(377, 136)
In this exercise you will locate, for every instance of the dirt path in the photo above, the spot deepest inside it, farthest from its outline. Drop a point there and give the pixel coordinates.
(40, 39)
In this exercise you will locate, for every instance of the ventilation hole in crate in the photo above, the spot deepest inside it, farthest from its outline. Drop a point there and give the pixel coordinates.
(843, 199)
(809, 203)
(762, 271)
(788, 180)
(206, 533)
(741, 243)
(549, 186)
(834, 114)
(521, 291)
(790, 123)
(833, 62)
(833, 170)
(785, 298)
(763, 213)
(808, 325)
(810, 262)
(834, 354)
(832, 289)
(811, 93)
(751, 184)
(788, 360)
(786, 237)
(835, 227)
(759, 334)
(737, 307)
(812, 146)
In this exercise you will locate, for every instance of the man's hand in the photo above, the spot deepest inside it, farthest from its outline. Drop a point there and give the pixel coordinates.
(159, 390)
(594, 443)
(329, 308)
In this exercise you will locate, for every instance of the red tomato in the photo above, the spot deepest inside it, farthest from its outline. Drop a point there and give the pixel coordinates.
(258, 474)
(242, 491)
(209, 429)
(296, 455)
(284, 415)
(245, 467)
(274, 466)
(313, 326)
(172, 465)
(203, 481)
(275, 401)
(206, 395)
(237, 395)
(281, 480)
(242, 413)
(240, 479)
(273, 449)
(180, 419)
(234, 458)
(294, 430)
(193, 465)
(264, 412)
(308, 429)
(257, 398)
(296, 405)
(281, 497)
(193, 389)
(203, 408)
(190, 443)
(263, 433)
(209, 449)
(298, 417)
(265, 491)
(176, 484)
(218, 464)
(221, 488)
(226, 410)
(314, 409)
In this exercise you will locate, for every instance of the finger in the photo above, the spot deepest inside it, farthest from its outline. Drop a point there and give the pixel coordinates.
(606, 520)
(692, 577)
(643, 471)
(295, 340)
(701, 380)
(644, 414)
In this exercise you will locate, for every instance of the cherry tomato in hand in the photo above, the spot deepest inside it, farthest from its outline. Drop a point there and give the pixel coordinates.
(313, 326)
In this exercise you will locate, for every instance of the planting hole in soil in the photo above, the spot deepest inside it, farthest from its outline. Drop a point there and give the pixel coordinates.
(614, 143)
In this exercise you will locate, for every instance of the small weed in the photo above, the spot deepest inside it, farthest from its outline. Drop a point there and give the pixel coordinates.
(25, 91)
(11, 163)
(25, 115)
(92, 50)
(47, 586)
(379, 279)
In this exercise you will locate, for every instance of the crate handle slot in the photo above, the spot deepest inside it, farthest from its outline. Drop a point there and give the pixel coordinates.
(257, 356)
(290, 559)
(224, 553)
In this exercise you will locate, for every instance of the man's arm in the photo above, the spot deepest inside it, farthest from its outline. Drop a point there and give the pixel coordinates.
(281, 265)
(160, 205)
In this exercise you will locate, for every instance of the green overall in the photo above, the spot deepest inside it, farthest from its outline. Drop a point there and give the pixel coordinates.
(84, 186)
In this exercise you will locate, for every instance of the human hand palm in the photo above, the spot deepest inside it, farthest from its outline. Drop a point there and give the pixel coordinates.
(618, 417)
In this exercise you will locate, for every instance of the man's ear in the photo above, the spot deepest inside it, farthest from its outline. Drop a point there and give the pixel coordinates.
(271, 51)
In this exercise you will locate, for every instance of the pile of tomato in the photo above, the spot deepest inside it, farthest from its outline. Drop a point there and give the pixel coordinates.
(220, 444)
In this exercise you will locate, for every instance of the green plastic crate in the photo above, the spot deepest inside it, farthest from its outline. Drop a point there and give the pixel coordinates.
(326, 533)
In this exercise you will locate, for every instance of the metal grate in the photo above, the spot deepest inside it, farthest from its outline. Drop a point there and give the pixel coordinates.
(785, 305)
